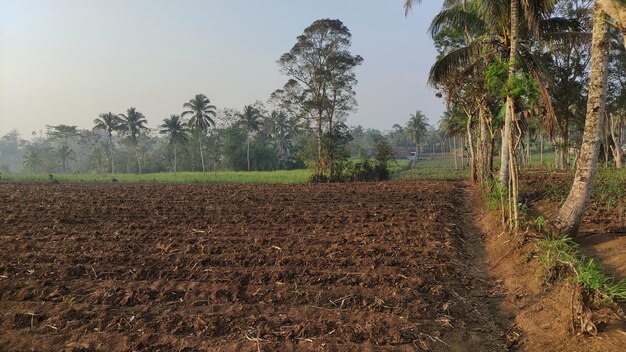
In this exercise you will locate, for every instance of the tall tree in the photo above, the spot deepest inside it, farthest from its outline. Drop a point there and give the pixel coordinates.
(321, 70)
(203, 115)
(250, 120)
(452, 125)
(64, 133)
(285, 128)
(177, 133)
(134, 123)
(569, 217)
(33, 160)
(416, 127)
(109, 123)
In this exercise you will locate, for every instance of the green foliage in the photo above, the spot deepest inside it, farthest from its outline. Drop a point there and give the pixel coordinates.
(383, 154)
(495, 195)
(609, 188)
(520, 85)
(564, 253)
(336, 150)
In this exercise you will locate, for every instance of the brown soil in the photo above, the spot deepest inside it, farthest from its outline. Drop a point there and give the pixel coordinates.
(542, 314)
(109, 267)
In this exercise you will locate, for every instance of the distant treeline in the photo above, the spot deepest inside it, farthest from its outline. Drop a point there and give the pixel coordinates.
(121, 143)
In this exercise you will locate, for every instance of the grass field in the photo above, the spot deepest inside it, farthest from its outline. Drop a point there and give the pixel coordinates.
(434, 169)
(269, 177)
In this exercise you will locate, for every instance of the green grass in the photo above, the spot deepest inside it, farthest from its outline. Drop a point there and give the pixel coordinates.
(548, 159)
(566, 253)
(280, 176)
(435, 169)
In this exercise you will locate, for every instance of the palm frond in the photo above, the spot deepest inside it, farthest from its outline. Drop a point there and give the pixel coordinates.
(458, 19)
(559, 24)
(408, 5)
(457, 60)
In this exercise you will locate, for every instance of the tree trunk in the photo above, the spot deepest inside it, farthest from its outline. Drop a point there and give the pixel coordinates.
(462, 153)
(111, 153)
(319, 133)
(456, 165)
(248, 149)
(562, 147)
(473, 175)
(508, 119)
(417, 146)
(492, 150)
(605, 143)
(136, 154)
(617, 126)
(570, 215)
(482, 145)
(201, 151)
(528, 156)
(175, 159)
(541, 147)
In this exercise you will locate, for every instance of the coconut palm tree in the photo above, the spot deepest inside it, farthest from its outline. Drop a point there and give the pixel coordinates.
(65, 154)
(109, 123)
(33, 160)
(492, 30)
(452, 124)
(177, 132)
(569, 217)
(133, 124)
(203, 115)
(250, 120)
(416, 128)
(284, 129)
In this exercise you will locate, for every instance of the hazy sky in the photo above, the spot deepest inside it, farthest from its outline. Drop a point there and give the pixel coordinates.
(66, 61)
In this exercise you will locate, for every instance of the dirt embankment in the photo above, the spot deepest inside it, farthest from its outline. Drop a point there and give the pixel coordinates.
(603, 232)
(541, 314)
(350, 267)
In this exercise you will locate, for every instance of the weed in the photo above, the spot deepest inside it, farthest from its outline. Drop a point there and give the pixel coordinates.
(560, 254)
(540, 221)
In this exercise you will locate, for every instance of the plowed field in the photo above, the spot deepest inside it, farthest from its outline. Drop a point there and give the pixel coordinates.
(156, 267)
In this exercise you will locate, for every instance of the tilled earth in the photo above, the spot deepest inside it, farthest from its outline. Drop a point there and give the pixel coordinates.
(157, 267)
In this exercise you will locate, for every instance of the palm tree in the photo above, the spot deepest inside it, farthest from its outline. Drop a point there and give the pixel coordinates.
(202, 114)
(109, 122)
(452, 125)
(284, 129)
(65, 154)
(250, 121)
(569, 217)
(416, 128)
(177, 133)
(33, 160)
(492, 30)
(133, 124)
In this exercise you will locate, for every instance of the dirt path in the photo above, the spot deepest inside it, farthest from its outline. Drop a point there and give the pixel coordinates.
(349, 267)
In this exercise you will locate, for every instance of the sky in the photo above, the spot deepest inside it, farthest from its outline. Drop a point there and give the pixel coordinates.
(67, 61)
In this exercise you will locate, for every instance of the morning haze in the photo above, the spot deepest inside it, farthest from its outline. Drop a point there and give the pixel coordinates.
(65, 62)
